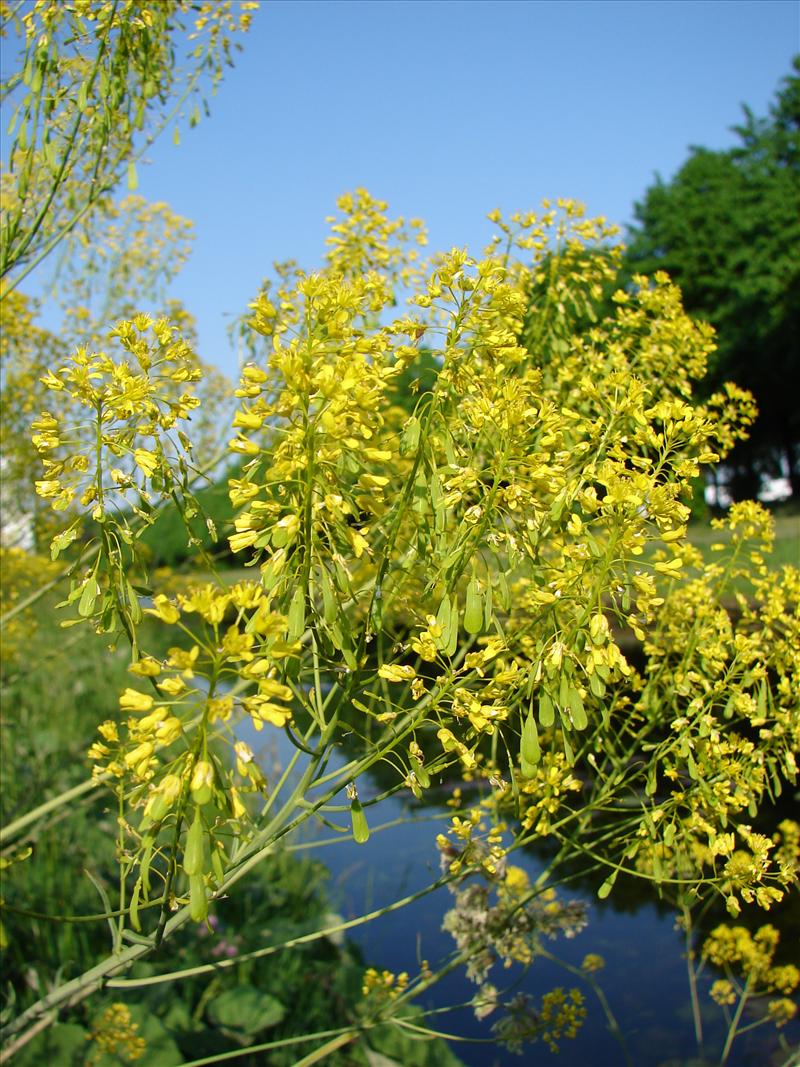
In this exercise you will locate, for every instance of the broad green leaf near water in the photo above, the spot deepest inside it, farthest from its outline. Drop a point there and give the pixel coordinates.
(245, 1010)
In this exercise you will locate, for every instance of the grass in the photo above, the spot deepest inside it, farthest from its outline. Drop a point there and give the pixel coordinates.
(59, 686)
(786, 550)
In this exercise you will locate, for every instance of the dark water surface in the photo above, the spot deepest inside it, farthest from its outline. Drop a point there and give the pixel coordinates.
(644, 978)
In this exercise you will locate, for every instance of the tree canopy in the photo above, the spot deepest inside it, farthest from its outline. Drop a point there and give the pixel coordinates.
(726, 228)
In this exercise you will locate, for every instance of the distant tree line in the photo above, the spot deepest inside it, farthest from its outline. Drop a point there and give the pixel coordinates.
(726, 228)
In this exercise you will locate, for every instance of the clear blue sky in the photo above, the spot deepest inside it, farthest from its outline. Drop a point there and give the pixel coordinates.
(448, 108)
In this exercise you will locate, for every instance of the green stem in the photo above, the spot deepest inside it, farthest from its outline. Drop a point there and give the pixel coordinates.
(732, 1029)
(613, 1025)
(267, 1045)
(326, 1049)
(8, 833)
(270, 950)
(692, 976)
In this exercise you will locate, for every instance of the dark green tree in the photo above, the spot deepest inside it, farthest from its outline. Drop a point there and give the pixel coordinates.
(726, 228)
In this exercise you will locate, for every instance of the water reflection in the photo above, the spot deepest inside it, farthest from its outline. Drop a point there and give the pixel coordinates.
(644, 977)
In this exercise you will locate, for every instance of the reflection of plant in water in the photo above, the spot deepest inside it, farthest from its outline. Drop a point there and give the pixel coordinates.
(503, 919)
(559, 1015)
(745, 958)
(747, 962)
(509, 929)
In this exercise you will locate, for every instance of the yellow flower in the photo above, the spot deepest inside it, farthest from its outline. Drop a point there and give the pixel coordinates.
(133, 700)
(146, 667)
(146, 461)
(164, 609)
(396, 672)
(262, 710)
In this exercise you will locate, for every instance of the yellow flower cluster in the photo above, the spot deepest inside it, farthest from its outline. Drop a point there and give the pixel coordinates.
(446, 575)
(750, 958)
(561, 1015)
(114, 1033)
(383, 984)
(21, 574)
(114, 408)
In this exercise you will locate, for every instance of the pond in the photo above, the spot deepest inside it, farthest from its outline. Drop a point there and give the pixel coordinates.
(644, 978)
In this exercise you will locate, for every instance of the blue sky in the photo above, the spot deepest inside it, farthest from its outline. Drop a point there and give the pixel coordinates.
(447, 109)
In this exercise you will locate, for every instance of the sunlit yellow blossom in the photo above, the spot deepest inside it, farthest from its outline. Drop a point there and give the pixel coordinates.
(133, 700)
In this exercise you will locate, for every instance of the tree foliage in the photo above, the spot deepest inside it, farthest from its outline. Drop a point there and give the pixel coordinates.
(726, 228)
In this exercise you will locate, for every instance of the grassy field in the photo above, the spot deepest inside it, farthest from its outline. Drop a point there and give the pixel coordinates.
(786, 549)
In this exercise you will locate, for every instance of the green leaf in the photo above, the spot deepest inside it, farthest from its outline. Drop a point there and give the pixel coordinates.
(62, 1043)
(133, 180)
(246, 1010)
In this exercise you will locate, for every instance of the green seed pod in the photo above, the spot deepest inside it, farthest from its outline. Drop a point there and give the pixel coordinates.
(564, 690)
(452, 629)
(89, 596)
(487, 607)
(546, 710)
(297, 614)
(144, 864)
(577, 710)
(134, 906)
(193, 853)
(410, 437)
(607, 886)
(359, 822)
(198, 901)
(596, 685)
(502, 591)
(202, 784)
(530, 753)
(329, 605)
(473, 612)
